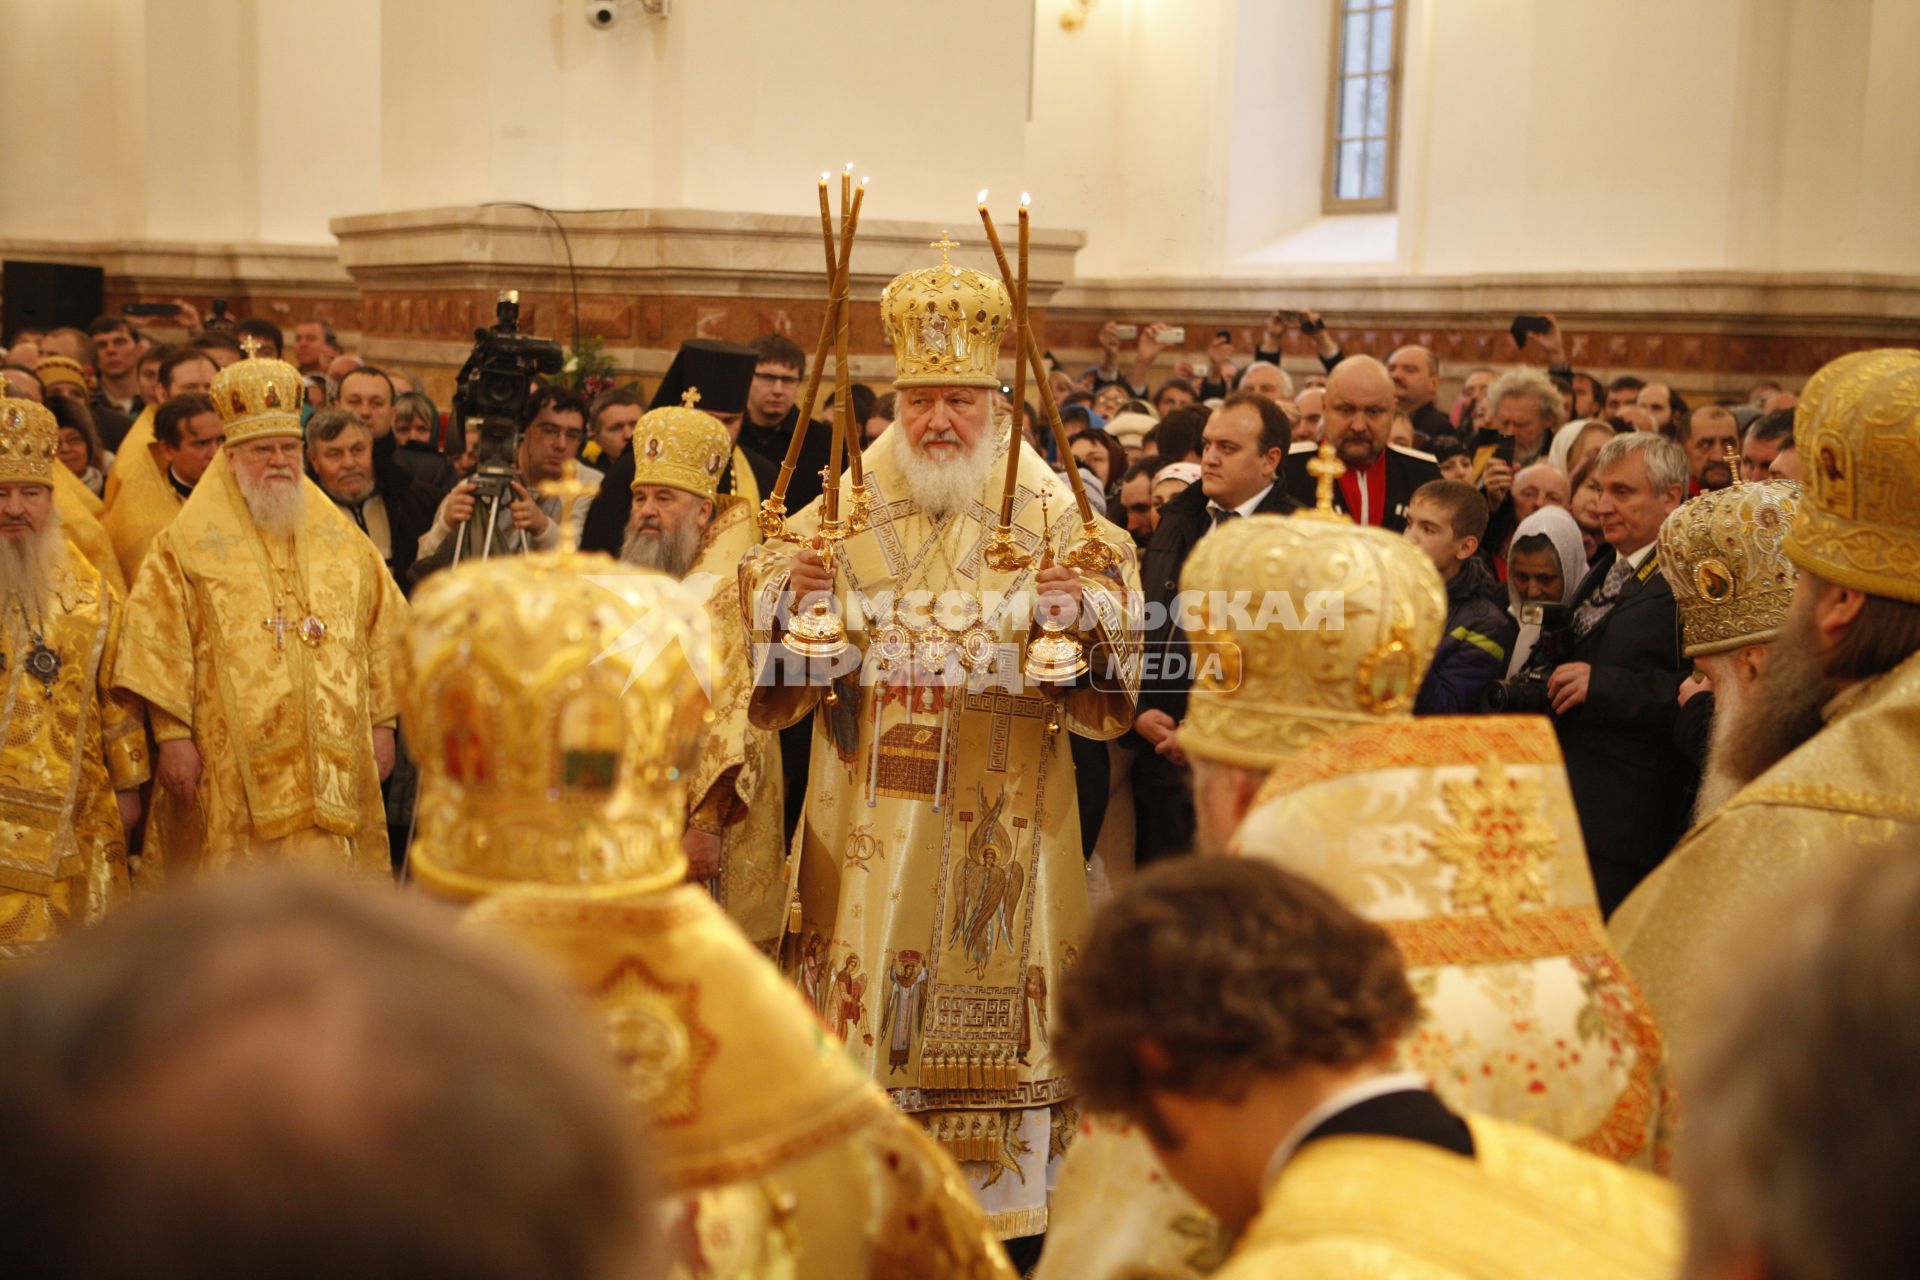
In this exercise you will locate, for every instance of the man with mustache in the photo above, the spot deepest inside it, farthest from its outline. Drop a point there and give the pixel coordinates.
(72, 756)
(1380, 477)
(941, 807)
(1823, 751)
(681, 525)
(260, 633)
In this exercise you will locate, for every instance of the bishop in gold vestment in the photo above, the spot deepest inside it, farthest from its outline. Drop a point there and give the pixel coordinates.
(1849, 788)
(67, 745)
(551, 803)
(271, 653)
(941, 882)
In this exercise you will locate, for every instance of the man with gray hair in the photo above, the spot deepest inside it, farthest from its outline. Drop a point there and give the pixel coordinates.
(1264, 377)
(1615, 698)
(1798, 1155)
(369, 487)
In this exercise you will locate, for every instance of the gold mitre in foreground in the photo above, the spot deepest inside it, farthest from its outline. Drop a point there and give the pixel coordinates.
(258, 399)
(1858, 433)
(555, 704)
(945, 324)
(1723, 555)
(679, 446)
(29, 440)
(1306, 627)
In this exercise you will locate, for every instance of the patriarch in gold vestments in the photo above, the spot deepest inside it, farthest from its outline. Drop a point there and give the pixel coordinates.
(941, 884)
(260, 633)
(1456, 834)
(72, 755)
(557, 708)
(680, 525)
(1824, 748)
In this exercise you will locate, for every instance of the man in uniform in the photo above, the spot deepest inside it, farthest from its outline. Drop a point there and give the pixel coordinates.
(72, 756)
(260, 633)
(683, 527)
(552, 799)
(940, 814)
(1824, 748)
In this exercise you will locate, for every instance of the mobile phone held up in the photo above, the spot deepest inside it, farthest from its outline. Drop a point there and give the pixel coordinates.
(1126, 332)
(1525, 324)
(151, 309)
(1502, 445)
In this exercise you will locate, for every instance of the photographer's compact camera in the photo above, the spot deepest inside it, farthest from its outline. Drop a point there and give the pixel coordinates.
(494, 388)
(1525, 693)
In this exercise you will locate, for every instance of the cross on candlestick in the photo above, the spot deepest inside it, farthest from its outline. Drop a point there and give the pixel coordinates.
(569, 488)
(1325, 467)
(944, 243)
(278, 624)
(250, 345)
(690, 397)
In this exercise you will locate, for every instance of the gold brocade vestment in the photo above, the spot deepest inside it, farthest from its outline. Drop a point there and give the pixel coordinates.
(941, 884)
(1524, 1207)
(135, 456)
(1847, 791)
(737, 779)
(80, 521)
(146, 503)
(65, 749)
(284, 724)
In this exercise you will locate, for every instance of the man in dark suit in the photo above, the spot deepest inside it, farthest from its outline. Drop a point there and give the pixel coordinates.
(1616, 697)
(390, 506)
(1240, 474)
(1380, 477)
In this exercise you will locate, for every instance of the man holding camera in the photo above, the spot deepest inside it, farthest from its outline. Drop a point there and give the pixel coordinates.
(1615, 698)
(556, 424)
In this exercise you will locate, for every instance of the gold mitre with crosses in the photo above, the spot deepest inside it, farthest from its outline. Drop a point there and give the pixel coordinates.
(1858, 433)
(29, 441)
(554, 704)
(1723, 554)
(1302, 626)
(258, 398)
(679, 446)
(945, 324)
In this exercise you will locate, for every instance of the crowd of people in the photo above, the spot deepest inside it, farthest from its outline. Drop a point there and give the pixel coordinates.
(1133, 932)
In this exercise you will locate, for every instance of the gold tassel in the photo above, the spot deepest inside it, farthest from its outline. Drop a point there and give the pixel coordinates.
(976, 1077)
(795, 916)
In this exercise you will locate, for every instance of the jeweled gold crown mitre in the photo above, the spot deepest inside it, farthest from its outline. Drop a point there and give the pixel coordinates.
(945, 324)
(258, 398)
(554, 704)
(681, 447)
(29, 440)
(1858, 433)
(1723, 554)
(1305, 627)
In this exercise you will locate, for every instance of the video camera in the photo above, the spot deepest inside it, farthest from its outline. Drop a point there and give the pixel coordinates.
(1525, 694)
(492, 392)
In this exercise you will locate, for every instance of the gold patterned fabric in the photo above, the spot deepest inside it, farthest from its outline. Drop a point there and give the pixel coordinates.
(29, 436)
(274, 654)
(258, 399)
(1723, 555)
(941, 883)
(66, 746)
(1305, 627)
(145, 504)
(945, 325)
(78, 521)
(737, 780)
(681, 447)
(1845, 792)
(1524, 1207)
(135, 455)
(1858, 433)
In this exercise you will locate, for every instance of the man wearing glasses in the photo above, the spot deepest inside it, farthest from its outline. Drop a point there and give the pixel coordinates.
(772, 416)
(556, 426)
(1380, 477)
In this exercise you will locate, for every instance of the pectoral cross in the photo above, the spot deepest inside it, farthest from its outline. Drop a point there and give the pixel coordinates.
(569, 488)
(278, 624)
(1325, 467)
(250, 345)
(944, 243)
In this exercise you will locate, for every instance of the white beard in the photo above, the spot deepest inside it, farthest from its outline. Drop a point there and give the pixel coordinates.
(1718, 784)
(276, 508)
(26, 568)
(671, 551)
(940, 486)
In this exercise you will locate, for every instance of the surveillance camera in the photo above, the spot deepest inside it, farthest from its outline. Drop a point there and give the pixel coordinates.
(602, 14)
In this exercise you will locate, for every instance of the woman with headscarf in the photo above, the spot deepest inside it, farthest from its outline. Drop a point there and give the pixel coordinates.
(1545, 565)
(1576, 442)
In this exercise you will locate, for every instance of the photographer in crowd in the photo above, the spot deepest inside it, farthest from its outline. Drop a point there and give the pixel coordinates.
(1614, 699)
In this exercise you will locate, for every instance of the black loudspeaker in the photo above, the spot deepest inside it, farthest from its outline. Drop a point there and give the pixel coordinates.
(47, 295)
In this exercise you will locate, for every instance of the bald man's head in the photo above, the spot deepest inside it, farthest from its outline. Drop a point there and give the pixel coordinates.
(1416, 376)
(1359, 410)
(1537, 486)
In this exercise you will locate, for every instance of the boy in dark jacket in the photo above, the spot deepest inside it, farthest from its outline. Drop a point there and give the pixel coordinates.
(1446, 519)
